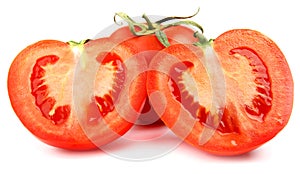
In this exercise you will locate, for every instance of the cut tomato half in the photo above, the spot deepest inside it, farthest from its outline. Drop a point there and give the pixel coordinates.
(257, 99)
(41, 90)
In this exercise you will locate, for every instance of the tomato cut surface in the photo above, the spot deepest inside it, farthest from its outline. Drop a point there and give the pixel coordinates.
(254, 107)
(41, 83)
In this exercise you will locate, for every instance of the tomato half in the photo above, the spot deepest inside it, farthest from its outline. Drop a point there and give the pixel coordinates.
(41, 90)
(258, 96)
(148, 46)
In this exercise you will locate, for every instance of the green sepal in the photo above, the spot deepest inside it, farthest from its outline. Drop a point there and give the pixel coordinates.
(162, 37)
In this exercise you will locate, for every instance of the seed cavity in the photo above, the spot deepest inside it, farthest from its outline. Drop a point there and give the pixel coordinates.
(110, 81)
(40, 91)
(262, 101)
(185, 91)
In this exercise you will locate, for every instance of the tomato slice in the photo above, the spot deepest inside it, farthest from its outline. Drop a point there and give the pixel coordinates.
(258, 95)
(40, 87)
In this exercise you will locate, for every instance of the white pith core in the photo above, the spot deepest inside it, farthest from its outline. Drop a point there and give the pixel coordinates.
(57, 79)
(105, 79)
(245, 81)
(190, 85)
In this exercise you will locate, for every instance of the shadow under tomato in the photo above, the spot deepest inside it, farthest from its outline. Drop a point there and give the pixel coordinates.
(256, 155)
(64, 153)
(143, 143)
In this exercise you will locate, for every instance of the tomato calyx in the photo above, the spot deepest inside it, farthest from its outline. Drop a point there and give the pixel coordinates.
(148, 28)
(202, 40)
(79, 45)
(77, 48)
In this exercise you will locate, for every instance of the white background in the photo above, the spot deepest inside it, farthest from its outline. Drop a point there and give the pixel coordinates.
(25, 22)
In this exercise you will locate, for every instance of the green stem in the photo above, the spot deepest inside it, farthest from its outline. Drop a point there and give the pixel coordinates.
(202, 40)
(79, 46)
(80, 43)
(156, 27)
(150, 25)
(177, 17)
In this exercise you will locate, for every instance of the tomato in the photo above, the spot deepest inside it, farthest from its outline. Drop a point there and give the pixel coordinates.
(148, 46)
(253, 108)
(42, 81)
